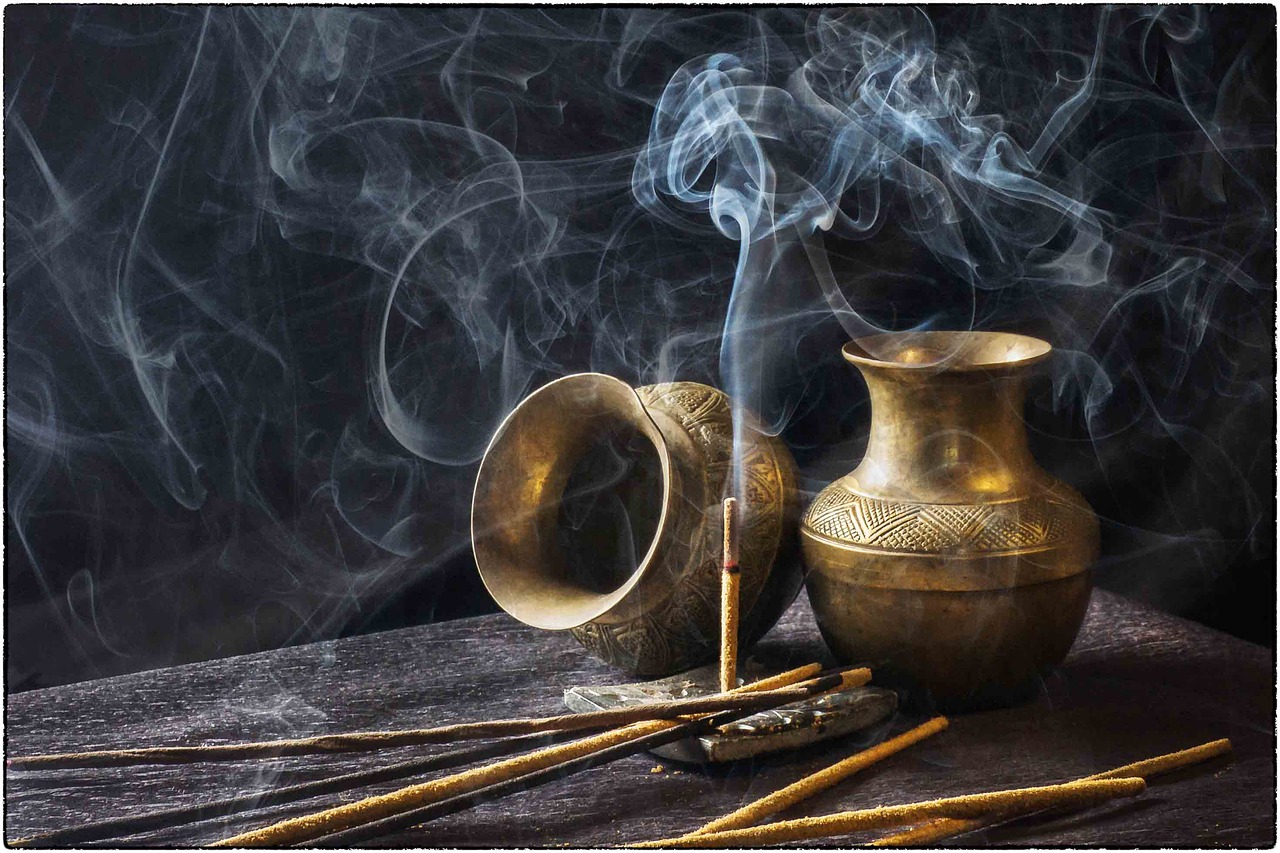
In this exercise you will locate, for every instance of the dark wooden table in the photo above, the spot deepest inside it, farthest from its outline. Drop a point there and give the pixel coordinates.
(1138, 683)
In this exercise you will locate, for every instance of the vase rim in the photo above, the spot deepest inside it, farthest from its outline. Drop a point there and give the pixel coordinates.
(949, 351)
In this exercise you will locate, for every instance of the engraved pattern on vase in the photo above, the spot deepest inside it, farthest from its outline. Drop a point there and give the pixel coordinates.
(1038, 521)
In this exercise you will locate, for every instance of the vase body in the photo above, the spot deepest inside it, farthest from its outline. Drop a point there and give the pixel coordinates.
(656, 612)
(948, 559)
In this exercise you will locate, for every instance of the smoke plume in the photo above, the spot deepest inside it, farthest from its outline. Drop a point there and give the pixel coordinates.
(275, 275)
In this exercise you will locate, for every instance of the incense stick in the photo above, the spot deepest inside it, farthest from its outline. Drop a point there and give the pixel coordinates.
(972, 805)
(730, 579)
(118, 827)
(373, 740)
(815, 783)
(356, 835)
(938, 830)
(329, 821)
(165, 818)
(413, 817)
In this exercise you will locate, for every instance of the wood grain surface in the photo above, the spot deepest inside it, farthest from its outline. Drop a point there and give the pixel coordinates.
(1137, 683)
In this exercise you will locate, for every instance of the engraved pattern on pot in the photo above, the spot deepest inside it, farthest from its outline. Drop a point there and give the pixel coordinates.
(663, 644)
(845, 516)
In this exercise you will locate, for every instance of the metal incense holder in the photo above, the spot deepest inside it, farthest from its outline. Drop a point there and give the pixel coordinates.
(948, 557)
(789, 727)
(597, 510)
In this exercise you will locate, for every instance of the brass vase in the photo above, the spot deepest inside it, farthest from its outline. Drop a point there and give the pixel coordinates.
(597, 509)
(948, 558)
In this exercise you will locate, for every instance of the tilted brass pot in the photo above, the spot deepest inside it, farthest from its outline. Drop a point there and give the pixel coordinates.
(948, 557)
(597, 509)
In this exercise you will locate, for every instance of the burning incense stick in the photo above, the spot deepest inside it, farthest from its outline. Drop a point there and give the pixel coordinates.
(365, 741)
(805, 829)
(938, 830)
(730, 579)
(365, 811)
(815, 783)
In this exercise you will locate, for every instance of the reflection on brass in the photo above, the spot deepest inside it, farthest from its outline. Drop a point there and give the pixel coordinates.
(598, 509)
(948, 556)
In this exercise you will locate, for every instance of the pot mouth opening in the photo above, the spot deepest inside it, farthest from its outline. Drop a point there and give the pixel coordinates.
(949, 351)
(608, 513)
(571, 501)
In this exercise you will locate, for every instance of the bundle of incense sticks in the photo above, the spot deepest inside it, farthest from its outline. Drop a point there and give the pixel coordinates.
(364, 832)
(667, 721)
(428, 794)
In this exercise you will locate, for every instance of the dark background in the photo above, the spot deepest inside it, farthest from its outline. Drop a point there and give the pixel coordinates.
(273, 275)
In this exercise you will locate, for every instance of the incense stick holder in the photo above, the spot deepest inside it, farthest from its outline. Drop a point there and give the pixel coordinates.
(949, 558)
(790, 727)
(597, 510)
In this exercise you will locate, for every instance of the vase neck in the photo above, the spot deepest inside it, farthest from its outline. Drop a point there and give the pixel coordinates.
(946, 437)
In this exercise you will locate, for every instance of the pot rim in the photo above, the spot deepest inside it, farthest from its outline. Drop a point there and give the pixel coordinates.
(539, 613)
(947, 351)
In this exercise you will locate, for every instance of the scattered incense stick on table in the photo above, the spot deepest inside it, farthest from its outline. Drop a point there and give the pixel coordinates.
(115, 828)
(309, 827)
(360, 834)
(938, 830)
(815, 783)
(730, 580)
(1168, 763)
(366, 741)
(972, 805)
(378, 828)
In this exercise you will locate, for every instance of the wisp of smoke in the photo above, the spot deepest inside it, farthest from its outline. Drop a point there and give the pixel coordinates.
(275, 275)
